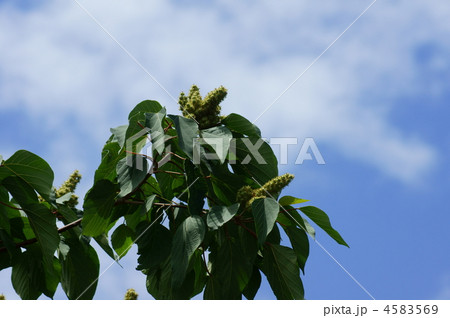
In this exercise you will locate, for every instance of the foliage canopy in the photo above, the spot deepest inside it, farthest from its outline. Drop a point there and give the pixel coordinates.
(206, 214)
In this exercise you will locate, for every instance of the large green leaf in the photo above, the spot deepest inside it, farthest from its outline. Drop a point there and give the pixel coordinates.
(254, 158)
(28, 276)
(146, 106)
(110, 157)
(154, 245)
(98, 206)
(187, 239)
(122, 239)
(32, 169)
(282, 271)
(219, 215)
(219, 138)
(231, 269)
(197, 188)
(187, 131)
(159, 283)
(135, 136)
(265, 212)
(321, 219)
(241, 125)
(153, 121)
(131, 171)
(79, 269)
(300, 244)
(42, 221)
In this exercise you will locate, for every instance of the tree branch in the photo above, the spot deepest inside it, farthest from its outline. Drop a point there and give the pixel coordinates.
(34, 240)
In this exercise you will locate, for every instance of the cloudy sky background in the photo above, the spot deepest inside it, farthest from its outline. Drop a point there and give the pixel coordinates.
(376, 104)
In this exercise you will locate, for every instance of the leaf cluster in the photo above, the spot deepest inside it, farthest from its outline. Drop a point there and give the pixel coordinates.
(202, 203)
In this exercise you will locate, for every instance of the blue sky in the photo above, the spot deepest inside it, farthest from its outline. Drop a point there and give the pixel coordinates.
(376, 104)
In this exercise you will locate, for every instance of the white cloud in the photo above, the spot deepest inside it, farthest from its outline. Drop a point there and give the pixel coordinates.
(60, 66)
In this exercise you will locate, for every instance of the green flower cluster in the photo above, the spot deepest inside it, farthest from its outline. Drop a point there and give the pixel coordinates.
(246, 195)
(69, 186)
(2, 297)
(206, 111)
(131, 294)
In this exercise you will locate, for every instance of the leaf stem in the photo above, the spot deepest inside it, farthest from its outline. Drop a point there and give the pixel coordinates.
(10, 206)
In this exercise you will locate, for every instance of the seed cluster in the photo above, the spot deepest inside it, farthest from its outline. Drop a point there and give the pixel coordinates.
(246, 195)
(131, 294)
(69, 186)
(2, 297)
(206, 111)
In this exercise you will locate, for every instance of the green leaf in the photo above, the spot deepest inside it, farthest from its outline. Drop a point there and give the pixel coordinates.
(68, 214)
(197, 188)
(42, 221)
(224, 191)
(265, 212)
(110, 157)
(30, 168)
(288, 200)
(300, 244)
(154, 245)
(291, 217)
(231, 269)
(219, 215)
(7, 241)
(135, 137)
(199, 269)
(52, 279)
(119, 135)
(187, 239)
(146, 106)
(153, 121)
(159, 282)
(102, 241)
(133, 219)
(5, 261)
(274, 237)
(131, 171)
(187, 130)
(20, 225)
(219, 138)
(282, 271)
(254, 158)
(98, 206)
(241, 125)
(149, 202)
(321, 219)
(122, 240)
(28, 276)
(4, 219)
(253, 285)
(79, 269)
